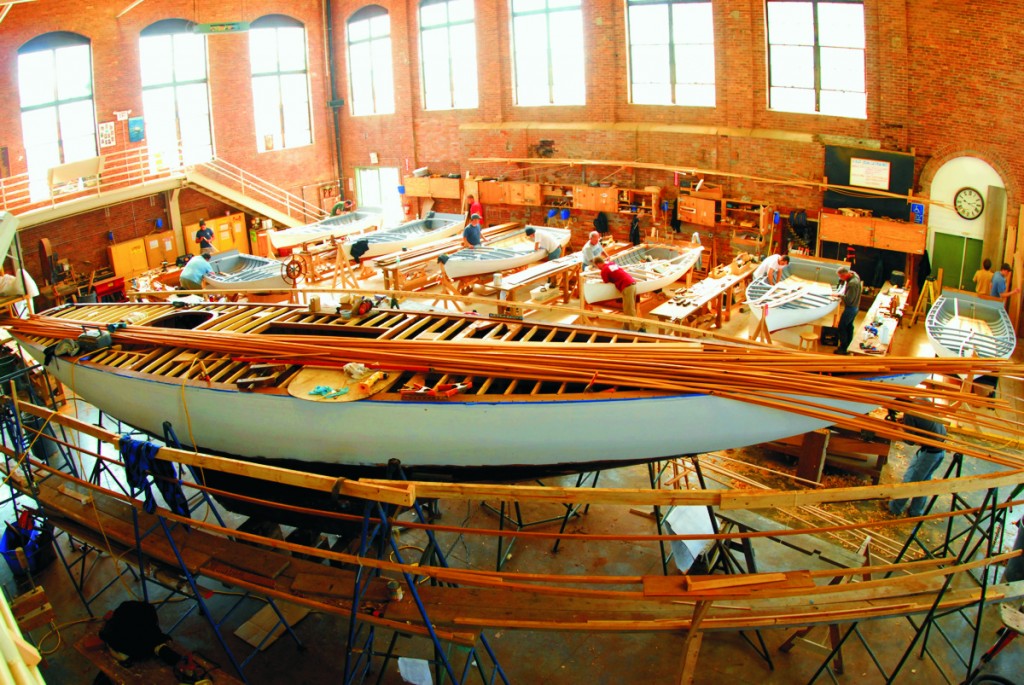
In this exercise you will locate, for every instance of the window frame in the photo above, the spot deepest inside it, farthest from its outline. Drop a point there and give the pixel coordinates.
(375, 73)
(560, 8)
(52, 43)
(673, 84)
(285, 115)
(816, 50)
(455, 72)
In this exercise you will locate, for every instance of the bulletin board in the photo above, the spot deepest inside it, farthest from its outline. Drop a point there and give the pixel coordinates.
(870, 170)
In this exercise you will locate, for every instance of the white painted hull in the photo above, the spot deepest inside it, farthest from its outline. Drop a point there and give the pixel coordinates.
(407, 235)
(649, 276)
(961, 324)
(242, 271)
(510, 252)
(436, 434)
(798, 300)
(331, 227)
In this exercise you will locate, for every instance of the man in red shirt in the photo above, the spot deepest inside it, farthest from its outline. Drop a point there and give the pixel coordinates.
(474, 206)
(620, 278)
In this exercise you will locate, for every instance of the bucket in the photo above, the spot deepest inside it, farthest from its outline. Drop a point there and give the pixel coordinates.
(38, 546)
(43, 448)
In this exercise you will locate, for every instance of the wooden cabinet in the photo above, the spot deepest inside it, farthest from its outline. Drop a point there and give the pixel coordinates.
(869, 231)
(522, 193)
(160, 248)
(596, 199)
(640, 202)
(416, 186)
(491, 192)
(229, 233)
(552, 195)
(446, 188)
(128, 258)
(696, 210)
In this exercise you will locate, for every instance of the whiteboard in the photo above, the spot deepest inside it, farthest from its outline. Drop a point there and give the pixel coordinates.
(869, 173)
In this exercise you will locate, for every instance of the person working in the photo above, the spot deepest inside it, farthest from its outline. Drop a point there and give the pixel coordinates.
(775, 268)
(474, 207)
(471, 236)
(593, 248)
(999, 283)
(983, 278)
(542, 240)
(922, 465)
(195, 271)
(849, 293)
(623, 282)
(204, 236)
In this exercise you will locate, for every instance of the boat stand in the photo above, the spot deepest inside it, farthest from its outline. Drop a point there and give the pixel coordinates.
(514, 516)
(990, 516)
(377, 541)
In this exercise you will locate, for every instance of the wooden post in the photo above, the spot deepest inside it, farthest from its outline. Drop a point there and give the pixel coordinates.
(813, 451)
(761, 332)
(691, 646)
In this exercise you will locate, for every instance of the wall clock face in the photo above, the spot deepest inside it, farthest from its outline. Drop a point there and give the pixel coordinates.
(969, 203)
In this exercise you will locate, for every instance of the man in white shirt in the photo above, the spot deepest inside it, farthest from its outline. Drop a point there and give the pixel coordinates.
(775, 267)
(542, 240)
(592, 248)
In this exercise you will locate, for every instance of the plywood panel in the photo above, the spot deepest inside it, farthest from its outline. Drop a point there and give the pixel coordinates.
(849, 230)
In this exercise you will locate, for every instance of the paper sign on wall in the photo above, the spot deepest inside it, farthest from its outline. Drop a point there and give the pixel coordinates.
(107, 138)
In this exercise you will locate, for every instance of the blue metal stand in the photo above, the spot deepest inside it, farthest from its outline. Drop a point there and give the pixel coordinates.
(375, 540)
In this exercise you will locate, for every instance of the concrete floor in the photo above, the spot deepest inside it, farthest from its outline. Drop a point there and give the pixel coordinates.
(533, 657)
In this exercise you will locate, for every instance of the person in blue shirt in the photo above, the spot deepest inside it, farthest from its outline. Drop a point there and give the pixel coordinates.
(471, 236)
(204, 236)
(923, 464)
(195, 271)
(999, 283)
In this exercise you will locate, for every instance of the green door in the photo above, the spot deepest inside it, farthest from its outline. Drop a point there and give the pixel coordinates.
(958, 257)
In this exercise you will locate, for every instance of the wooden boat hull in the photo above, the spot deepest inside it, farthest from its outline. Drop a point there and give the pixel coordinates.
(439, 436)
(666, 266)
(235, 270)
(801, 299)
(510, 252)
(962, 324)
(408, 235)
(331, 227)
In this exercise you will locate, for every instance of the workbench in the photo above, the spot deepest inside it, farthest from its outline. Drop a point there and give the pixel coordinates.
(564, 272)
(715, 294)
(880, 311)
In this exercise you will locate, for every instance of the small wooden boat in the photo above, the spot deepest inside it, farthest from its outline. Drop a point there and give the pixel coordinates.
(360, 221)
(803, 297)
(407, 235)
(963, 324)
(508, 252)
(233, 270)
(652, 267)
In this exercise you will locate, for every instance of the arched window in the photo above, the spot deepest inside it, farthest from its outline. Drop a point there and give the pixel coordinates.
(175, 94)
(547, 52)
(448, 54)
(369, 61)
(280, 82)
(671, 52)
(58, 116)
(816, 57)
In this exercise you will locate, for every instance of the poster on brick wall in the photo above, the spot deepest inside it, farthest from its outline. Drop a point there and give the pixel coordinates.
(107, 138)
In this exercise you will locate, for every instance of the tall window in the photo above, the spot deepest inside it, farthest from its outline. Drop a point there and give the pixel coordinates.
(816, 57)
(548, 54)
(378, 187)
(671, 52)
(280, 84)
(58, 116)
(369, 61)
(448, 54)
(175, 94)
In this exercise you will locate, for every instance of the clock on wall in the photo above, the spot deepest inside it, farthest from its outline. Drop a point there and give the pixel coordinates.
(969, 203)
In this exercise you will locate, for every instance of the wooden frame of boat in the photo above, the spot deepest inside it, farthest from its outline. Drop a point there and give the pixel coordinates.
(360, 221)
(435, 226)
(652, 266)
(961, 324)
(234, 269)
(508, 252)
(264, 367)
(805, 296)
